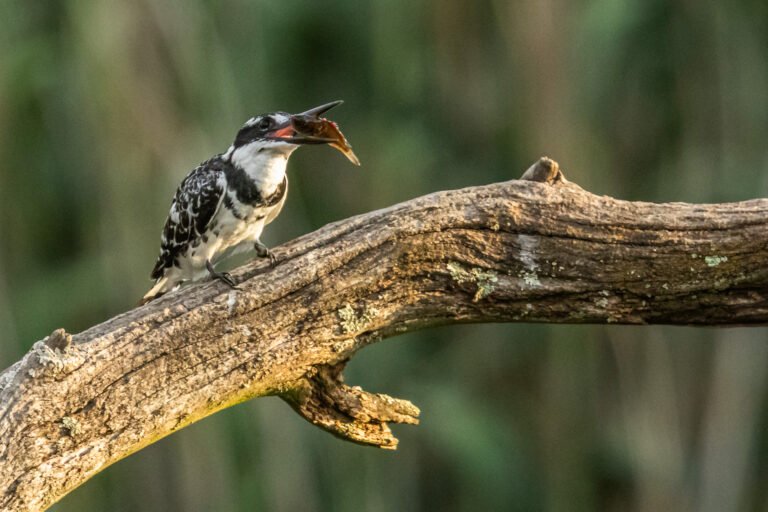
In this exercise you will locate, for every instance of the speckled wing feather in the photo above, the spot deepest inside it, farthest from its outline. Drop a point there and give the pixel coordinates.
(196, 202)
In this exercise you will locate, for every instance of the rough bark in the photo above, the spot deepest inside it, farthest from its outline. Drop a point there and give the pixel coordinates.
(534, 250)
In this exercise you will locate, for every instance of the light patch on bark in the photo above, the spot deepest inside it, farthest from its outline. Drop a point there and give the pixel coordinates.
(528, 247)
(231, 301)
(344, 346)
(72, 426)
(351, 322)
(713, 261)
(7, 376)
(50, 360)
(531, 279)
(484, 279)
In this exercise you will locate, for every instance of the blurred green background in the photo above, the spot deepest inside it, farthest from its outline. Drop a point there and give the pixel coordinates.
(106, 105)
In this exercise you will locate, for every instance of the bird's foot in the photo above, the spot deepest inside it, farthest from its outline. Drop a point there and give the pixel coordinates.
(262, 251)
(221, 276)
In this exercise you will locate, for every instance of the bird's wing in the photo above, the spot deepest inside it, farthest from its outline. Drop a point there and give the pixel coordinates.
(196, 202)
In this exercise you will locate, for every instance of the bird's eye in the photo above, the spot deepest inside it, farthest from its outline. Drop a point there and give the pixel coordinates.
(265, 123)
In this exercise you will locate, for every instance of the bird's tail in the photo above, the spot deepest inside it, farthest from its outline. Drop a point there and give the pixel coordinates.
(161, 288)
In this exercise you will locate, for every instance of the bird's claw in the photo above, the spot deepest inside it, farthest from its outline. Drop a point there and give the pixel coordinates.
(224, 277)
(262, 251)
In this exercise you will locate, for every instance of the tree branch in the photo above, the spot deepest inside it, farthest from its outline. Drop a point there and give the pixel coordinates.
(538, 250)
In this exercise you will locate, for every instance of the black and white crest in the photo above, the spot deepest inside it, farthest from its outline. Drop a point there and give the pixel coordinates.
(257, 128)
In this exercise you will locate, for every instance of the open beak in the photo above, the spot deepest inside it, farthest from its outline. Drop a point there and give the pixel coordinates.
(309, 128)
(299, 129)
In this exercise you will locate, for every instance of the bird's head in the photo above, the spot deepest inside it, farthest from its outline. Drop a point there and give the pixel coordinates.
(282, 132)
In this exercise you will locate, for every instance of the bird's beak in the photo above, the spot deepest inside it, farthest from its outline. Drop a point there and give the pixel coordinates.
(309, 128)
(299, 129)
(322, 109)
(287, 133)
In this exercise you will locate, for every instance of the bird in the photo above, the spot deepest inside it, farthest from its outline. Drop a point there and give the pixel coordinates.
(222, 206)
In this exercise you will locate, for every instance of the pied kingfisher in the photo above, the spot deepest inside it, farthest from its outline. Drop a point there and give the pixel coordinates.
(223, 205)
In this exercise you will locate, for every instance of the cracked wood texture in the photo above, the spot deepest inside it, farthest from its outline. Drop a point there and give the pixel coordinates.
(534, 250)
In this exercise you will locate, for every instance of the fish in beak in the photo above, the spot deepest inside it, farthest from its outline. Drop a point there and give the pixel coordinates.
(309, 128)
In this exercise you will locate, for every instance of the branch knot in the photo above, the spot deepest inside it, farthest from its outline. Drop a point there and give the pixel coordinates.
(545, 170)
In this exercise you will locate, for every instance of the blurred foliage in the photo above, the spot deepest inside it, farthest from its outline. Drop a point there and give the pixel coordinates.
(106, 105)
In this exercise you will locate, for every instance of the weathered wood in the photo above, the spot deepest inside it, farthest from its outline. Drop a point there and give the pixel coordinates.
(522, 251)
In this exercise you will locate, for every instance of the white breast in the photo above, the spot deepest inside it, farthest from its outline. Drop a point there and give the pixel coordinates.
(235, 231)
(264, 162)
